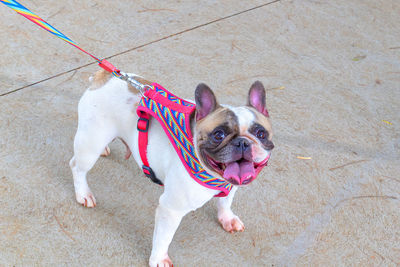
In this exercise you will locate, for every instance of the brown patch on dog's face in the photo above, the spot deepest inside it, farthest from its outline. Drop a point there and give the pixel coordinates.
(233, 142)
(221, 116)
(214, 133)
(100, 78)
(221, 124)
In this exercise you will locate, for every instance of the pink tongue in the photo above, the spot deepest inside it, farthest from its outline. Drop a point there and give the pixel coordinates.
(246, 170)
(239, 171)
(232, 170)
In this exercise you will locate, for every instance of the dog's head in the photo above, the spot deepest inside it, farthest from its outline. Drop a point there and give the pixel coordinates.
(233, 143)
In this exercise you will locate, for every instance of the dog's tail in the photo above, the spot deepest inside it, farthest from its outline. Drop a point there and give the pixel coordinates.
(100, 78)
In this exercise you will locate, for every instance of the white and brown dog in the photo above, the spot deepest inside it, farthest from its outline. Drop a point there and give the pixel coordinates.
(231, 143)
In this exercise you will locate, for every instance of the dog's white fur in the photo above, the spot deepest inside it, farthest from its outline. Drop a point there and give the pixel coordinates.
(109, 112)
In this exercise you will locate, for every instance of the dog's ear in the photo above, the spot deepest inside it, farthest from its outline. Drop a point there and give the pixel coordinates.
(256, 98)
(205, 101)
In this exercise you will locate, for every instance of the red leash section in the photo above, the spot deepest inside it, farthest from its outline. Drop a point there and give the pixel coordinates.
(23, 11)
(109, 67)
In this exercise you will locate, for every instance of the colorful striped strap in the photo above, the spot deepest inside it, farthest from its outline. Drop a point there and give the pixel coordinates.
(20, 9)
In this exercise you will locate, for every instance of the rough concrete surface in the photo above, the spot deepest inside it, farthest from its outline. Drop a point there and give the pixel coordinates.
(332, 69)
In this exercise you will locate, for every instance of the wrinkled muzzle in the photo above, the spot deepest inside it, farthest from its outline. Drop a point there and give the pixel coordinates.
(239, 169)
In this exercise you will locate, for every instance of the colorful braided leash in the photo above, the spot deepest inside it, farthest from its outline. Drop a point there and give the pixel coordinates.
(20, 9)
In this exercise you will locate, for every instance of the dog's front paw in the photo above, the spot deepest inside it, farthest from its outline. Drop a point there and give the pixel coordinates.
(231, 223)
(165, 262)
(87, 200)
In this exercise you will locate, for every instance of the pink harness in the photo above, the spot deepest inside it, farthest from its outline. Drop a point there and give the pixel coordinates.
(173, 113)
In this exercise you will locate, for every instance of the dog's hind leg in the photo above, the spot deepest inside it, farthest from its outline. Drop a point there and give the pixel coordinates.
(88, 146)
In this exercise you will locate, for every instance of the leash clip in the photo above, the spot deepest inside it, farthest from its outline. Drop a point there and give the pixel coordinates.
(139, 86)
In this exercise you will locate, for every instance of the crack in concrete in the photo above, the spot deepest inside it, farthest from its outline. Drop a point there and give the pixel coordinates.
(320, 221)
(144, 45)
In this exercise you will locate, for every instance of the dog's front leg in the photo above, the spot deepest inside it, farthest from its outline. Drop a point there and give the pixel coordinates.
(229, 221)
(167, 221)
(181, 195)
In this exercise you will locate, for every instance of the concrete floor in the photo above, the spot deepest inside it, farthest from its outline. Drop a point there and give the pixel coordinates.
(332, 69)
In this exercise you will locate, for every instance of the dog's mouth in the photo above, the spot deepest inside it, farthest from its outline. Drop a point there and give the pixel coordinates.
(240, 172)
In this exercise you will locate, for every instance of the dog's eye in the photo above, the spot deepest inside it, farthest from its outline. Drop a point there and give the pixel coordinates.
(261, 134)
(218, 135)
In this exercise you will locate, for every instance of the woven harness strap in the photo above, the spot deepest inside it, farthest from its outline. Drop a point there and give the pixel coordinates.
(143, 130)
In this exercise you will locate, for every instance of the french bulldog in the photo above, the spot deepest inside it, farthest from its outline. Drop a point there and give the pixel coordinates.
(232, 143)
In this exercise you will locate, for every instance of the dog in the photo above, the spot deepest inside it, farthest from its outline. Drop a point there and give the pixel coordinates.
(231, 143)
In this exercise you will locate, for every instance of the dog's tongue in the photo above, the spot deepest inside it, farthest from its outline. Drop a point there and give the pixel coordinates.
(239, 171)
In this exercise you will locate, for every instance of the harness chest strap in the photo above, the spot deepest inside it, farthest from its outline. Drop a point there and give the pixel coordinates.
(143, 130)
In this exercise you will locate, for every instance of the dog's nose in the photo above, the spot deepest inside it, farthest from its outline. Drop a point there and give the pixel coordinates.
(241, 143)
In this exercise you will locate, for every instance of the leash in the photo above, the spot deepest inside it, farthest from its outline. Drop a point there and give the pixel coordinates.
(103, 63)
